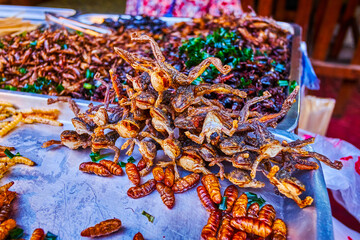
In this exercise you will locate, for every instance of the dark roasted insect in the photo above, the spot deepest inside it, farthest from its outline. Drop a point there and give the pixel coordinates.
(231, 192)
(210, 229)
(186, 183)
(38, 234)
(267, 214)
(169, 177)
(253, 210)
(212, 185)
(167, 194)
(102, 229)
(240, 235)
(5, 212)
(279, 230)
(158, 173)
(114, 168)
(251, 226)
(138, 236)
(132, 173)
(95, 168)
(226, 232)
(205, 199)
(240, 205)
(142, 190)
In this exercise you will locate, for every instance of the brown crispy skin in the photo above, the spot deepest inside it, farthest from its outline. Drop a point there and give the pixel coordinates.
(239, 209)
(267, 214)
(212, 185)
(141, 164)
(169, 177)
(226, 232)
(138, 236)
(231, 192)
(103, 228)
(158, 173)
(251, 226)
(205, 199)
(253, 210)
(6, 227)
(142, 190)
(186, 183)
(96, 168)
(5, 212)
(210, 229)
(279, 230)
(114, 168)
(132, 173)
(167, 194)
(239, 236)
(38, 234)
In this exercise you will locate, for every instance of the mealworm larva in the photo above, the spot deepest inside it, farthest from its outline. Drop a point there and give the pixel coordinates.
(103, 228)
(10, 110)
(2, 124)
(6, 104)
(44, 120)
(17, 160)
(114, 168)
(7, 128)
(38, 234)
(4, 116)
(6, 227)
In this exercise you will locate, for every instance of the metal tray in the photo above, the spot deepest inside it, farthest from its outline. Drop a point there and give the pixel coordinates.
(57, 197)
(33, 14)
(291, 120)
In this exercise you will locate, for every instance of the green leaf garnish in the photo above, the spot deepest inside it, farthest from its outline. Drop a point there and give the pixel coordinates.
(1, 45)
(96, 156)
(9, 154)
(89, 74)
(33, 44)
(79, 33)
(252, 198)
(22, 70)
(50, 236)
(131, 159)
(283, 83)
(122, 164)
(292, 86)
(9, 87)
(244, 83)
(150, 217)
(23, 34)
(60, 88)
(16, 233)
(64, 46)
(88, 86)
(222, 205)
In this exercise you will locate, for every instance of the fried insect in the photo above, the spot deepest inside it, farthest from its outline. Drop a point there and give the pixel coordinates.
(212, 185)
(186, 183)
(138, 236)
(102, 229)
(231, 192)
(253, 210)
(141, 164)
(11, 125)
(167, 194)
(210, 229)
(17, 160)
(6, 187)
(5, 212)
(240, 205)
(95, 168)
(169, 177)
(205, 199)
(38, 234)
(267, 214)
(240, 236)
(226, 232)
(113, 168)
(279, 230)
(251, 226)
(6, 227)
(142, 190)
(132, 173)
(158, 173)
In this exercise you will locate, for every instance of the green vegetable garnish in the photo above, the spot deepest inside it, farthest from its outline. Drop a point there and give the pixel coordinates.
(1, 45)
(79, 33)
(131, 159)
(9, 154)
(59, 88)
(23, 34)
(41, 84)
(9, 87)
(65, 46)
(292, 86)
(16, 233)
(89, 74)
(88, 86)
(96, 156)
(252, 198)
(150, 218)
(22, 70)
(222, 205)
(33, 43)
(244, 83)
(50, 236)
(283, 83)
(122, 164)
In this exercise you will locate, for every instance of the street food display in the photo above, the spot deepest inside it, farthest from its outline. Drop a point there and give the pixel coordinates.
(199, 100)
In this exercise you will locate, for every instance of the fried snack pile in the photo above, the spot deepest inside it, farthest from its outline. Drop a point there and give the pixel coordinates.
(237, 220)
(163, 110)
(15, 26)
(34, 115)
